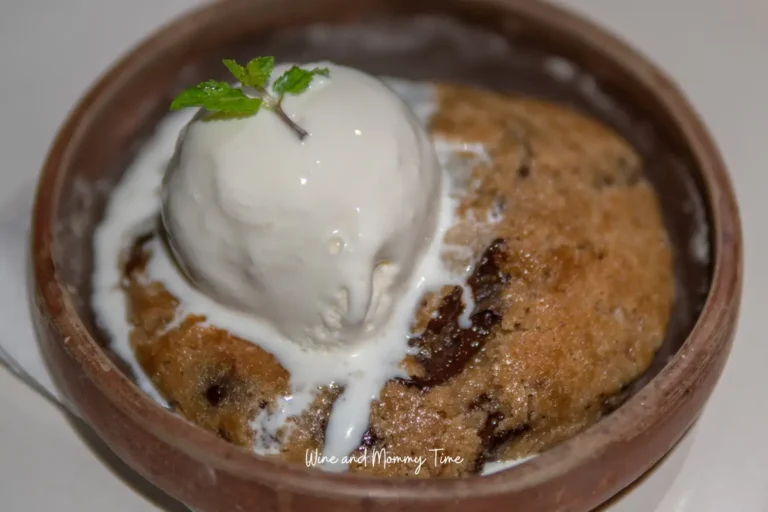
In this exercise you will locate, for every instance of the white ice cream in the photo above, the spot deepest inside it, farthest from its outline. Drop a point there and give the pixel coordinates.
(318, 237)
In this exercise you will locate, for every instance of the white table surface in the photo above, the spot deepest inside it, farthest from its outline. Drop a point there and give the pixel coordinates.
(51, 50)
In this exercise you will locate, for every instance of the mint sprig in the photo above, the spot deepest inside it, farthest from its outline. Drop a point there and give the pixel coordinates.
(255, 74)
(226, 100)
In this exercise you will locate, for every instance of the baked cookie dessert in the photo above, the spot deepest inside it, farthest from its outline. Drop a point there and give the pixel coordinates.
(566, 293)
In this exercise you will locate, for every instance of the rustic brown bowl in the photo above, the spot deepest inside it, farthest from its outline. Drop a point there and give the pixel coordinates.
(517, 45)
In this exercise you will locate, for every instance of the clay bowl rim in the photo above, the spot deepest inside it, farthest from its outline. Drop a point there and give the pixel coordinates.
(666, 393)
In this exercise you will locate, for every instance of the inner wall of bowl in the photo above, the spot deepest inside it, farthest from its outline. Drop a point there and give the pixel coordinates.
(429, 47)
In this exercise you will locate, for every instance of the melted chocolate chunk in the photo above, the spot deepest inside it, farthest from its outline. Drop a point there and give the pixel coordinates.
(370, 439)
(445, 348)
(492, 439)
(137, 256)
(215, 394)
(482, 402)
(221, 388)
(488, 433)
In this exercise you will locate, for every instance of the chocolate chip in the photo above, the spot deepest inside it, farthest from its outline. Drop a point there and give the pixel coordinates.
(370, 439)
(215, 394)
(605, 181)
(526, 159)
(481, 402)
(488, 431)
(492, 439)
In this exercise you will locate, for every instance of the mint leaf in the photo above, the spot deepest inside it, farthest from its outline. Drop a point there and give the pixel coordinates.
(296, 80)
(217, 97)
(259, 71)
(237, 70)
(255, 74)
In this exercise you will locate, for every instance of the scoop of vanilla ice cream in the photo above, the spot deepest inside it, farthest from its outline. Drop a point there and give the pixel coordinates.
(318, 237)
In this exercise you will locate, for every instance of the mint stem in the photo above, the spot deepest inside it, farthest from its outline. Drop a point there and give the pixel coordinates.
(275, 105)
(300, 132)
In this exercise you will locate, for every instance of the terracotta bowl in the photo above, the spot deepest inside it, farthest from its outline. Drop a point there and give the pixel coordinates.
(513, 45)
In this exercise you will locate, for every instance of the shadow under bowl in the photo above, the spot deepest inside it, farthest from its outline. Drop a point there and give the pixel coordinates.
(508, 45)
